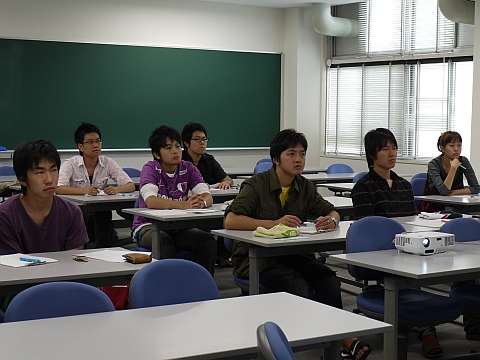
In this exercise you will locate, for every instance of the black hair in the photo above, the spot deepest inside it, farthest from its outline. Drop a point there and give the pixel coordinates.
(284, 140)
(28, 155)
(448, 137)
(159, 136)
(189, 129)
(82, 130)
(375, 140)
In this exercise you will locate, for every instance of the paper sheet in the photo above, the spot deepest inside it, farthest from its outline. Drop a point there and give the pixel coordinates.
(436, 224)
(13, 260)
(164, 212)
(202, 211)
(110, 255)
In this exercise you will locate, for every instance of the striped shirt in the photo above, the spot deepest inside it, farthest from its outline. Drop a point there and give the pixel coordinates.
(371, 195)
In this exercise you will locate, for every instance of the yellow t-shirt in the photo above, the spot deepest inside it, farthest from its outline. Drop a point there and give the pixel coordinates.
(284, 195)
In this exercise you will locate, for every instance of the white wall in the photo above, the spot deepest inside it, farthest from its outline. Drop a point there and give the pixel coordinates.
(475, 145)
(171, 23)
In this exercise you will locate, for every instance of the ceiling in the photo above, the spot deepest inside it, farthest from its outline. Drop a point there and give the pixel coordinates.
(283, 3)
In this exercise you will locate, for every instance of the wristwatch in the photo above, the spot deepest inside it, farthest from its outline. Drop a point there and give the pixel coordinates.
(334, 221)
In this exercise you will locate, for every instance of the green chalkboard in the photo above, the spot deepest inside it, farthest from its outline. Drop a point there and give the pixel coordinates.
(47, 88)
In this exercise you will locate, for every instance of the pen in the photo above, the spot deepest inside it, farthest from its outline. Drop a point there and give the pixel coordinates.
(32, 260)
(463, 167)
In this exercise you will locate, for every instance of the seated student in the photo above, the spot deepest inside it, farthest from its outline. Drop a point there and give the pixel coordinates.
(165, 183)
(88, 173)
(282, 196)
(194, 137)
(383, 193)
(446, 171)
(37, 220)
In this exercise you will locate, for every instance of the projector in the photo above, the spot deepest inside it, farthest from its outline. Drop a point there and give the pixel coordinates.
(424, 242)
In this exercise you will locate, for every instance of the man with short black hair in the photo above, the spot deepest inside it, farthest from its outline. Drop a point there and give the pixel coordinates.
(165, 183)
(194, 137)
(37, 220)
(89, 173)
(382, 192)
(283, 196)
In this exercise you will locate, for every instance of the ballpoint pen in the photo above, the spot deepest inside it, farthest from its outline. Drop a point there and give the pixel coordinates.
(33, 261)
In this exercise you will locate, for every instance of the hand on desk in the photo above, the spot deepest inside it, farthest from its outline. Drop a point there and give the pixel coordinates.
(110, 190)
(290, 220)
(325, 223)
(195, 202)
(92, 190)
(224, 185)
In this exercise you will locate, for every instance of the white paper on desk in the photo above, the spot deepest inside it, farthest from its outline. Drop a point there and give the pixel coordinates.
(202, 211)
(110, 255)
(164, 212)
(13, 260)
(99, 193)
(436, 224)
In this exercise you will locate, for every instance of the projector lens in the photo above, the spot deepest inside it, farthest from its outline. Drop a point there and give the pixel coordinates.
(426, 243)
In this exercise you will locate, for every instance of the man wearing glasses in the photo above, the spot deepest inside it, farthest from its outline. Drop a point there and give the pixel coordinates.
(194, 138)
(89, 173)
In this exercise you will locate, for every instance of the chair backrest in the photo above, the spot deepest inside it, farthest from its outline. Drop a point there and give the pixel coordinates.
(132, 172)
(419, 176)
(57, 299)
(418, 186)
(272, 343)
(7, 171)
(262, 166)
(359, 176)
(339, 169)
(464, 229)
(370, 234)
(171, 281)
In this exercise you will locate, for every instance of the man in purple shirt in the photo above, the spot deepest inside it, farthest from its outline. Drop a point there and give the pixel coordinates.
(37, 220)
(168, 182)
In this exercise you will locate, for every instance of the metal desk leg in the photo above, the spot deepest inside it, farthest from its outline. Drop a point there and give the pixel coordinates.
(253, 271)
(390, 340)
(155, 241)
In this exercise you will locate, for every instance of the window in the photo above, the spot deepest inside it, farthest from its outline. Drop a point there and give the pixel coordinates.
(416, 96)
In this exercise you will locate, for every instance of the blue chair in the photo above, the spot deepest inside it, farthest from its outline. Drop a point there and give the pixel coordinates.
(339, 169)
(418, 186)
(262, 166)
(57, 299)
(359, 176)
(7, 171)
(419, 176)
(3, 148)
(171, 281)
(415, 307)
(465, 229)
(132, 172)
(272, 343)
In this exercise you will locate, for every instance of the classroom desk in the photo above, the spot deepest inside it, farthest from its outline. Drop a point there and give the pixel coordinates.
(8, 178)
(343, 205)
(405, 270)
(460, 203)
(224, 328)
(338, 187)
(261, 248)
(162, 220)
(220, 195)
(103, 202)
(94, 272)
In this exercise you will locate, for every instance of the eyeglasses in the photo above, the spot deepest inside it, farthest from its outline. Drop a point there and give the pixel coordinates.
(200, 139)
(171, 147)
(93, 142)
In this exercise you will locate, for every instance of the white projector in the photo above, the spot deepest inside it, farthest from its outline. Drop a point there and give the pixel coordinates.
(424, 242)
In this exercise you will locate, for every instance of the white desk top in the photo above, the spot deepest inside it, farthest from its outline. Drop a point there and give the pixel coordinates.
(65, 269)
(463, 258)
(340, 202)
(167, 215)
(100, 199)
(202, 330)
(8, 178)
(338, 186)
(451, 200)
(339, 235)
